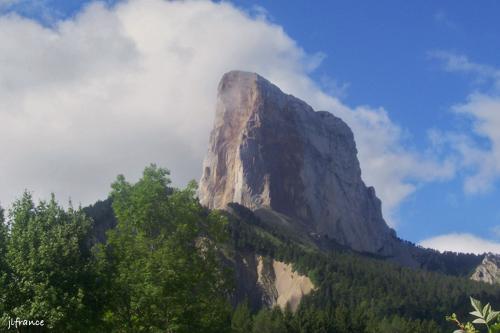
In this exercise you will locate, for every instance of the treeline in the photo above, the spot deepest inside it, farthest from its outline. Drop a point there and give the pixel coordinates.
(447, 262)
(158, 270)
(325, 319)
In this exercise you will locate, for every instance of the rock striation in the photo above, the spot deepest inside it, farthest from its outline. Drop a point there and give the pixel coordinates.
(489, 270)
(271, 150)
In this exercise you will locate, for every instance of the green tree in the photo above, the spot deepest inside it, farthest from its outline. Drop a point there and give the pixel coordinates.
(342, 319)
(242, 318)
(166, 272)
(52, 275)
(269, 321)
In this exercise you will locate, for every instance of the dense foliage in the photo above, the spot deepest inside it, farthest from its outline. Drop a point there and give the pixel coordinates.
(165, 274)
(48, 270)
(158, 270)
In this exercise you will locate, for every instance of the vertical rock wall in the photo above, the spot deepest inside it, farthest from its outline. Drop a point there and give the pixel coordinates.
(271, 150)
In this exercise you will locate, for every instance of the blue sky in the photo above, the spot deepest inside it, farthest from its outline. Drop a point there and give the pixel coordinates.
(418, 61)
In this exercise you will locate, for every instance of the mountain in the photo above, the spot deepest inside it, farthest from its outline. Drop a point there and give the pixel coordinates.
(269, 150)
(305, 233)
(298, 168)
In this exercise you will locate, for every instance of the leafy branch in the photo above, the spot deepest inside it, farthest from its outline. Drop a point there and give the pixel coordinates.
(484, 315)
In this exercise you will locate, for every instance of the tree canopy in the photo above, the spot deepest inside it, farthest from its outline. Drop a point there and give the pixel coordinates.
(166, 274)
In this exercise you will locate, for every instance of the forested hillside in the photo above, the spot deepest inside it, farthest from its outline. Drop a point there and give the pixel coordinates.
(358, 293)
(161, 267)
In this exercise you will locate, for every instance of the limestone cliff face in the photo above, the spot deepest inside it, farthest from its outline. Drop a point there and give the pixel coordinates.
(267, 282)
(281, 284)
(489, 270)
(271, 150)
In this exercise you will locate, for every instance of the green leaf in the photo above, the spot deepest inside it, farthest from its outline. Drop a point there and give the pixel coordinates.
(476, 304)
(492, 315)
(486, 309)
(479, 321)
(476, 314)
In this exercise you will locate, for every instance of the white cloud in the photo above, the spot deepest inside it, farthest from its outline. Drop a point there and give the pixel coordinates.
(482, 111)
(485, 112)
(496, 231)
(461, 242)
(459, 63)
(116, 88)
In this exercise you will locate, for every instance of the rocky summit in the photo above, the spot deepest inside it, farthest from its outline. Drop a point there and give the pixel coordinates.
(271, 151)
